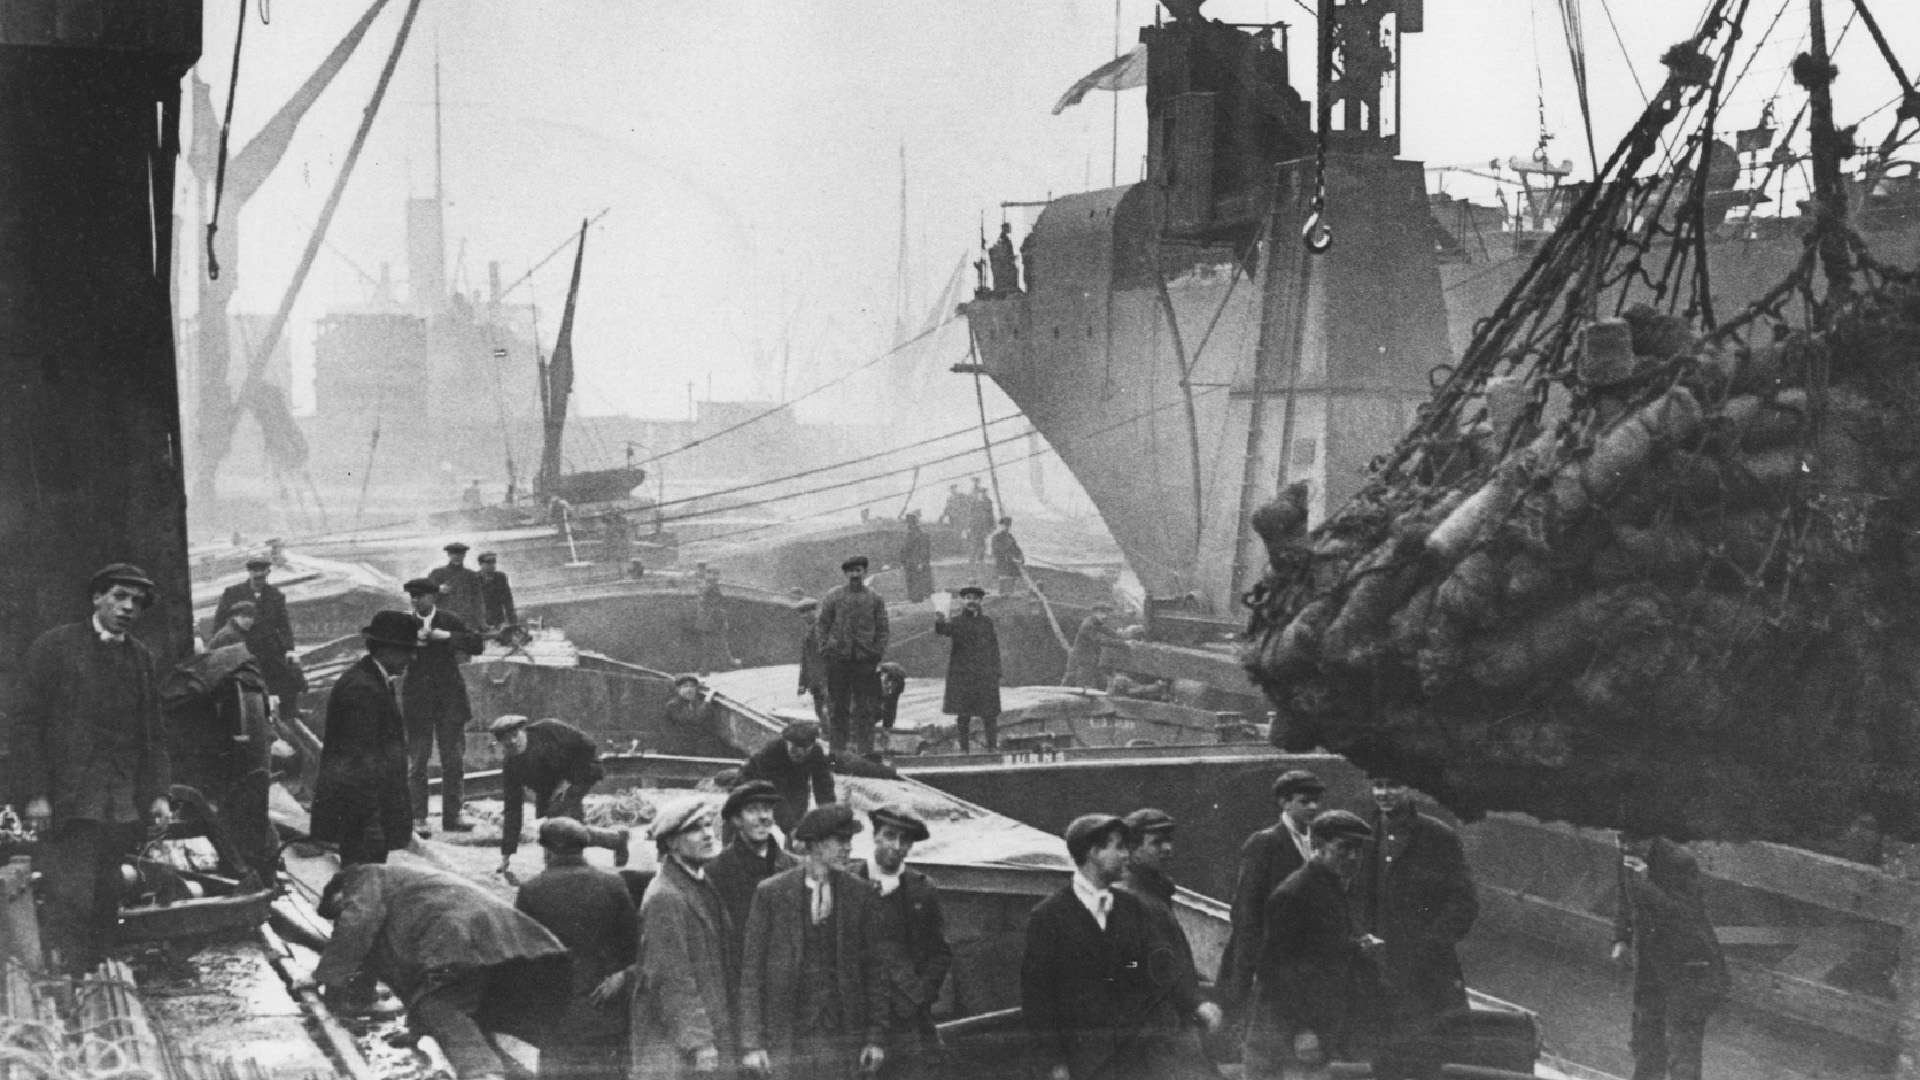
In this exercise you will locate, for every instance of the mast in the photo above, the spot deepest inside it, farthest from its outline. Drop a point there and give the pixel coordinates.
(1815, 71)
(557, 385)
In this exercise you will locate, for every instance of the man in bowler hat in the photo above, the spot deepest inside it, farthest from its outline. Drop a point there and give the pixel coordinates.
(360, 799)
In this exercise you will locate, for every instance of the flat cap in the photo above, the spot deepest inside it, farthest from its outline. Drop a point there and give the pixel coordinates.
(821, 822)
(753, 791)
(488, 556)
(912, 827)
(857, 560)
(1339, 825)
(1088, 825)
(507, 725)
(420, 587)
(683, 679)
(1297, 782)
(974, 591)
(119, 573)
(243, 607)
(1148, 820)
(678, 816)
(456, 546)
(802, 732)
(259, 562)
(564, 834)
(392, 628)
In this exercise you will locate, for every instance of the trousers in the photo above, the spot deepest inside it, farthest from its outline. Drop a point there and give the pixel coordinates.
(853, 697)
(990, 730)
(448, 1007)
(1669, 1031)
(82, 889)
(423, 734)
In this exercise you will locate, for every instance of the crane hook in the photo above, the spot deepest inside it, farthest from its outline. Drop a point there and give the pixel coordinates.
(1315, 234)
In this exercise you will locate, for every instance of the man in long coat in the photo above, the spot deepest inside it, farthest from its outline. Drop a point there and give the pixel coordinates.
(1679, 973)
(813, 997)
(459, 587)
(973, 669)
(1315, 975)
(496, 595)
(683, 1007)
(551, 760)
(463, 961)
(853, 632)
(910, 934)
(90, 762)
(270, 638)
(710, 626)
(916, 560)
(360, 800)
(980, 521)
(589, 910)
(753, 856)
(813, 666)
(434, 699)
(1267, 858)
(1414, 892)
(1008, 559)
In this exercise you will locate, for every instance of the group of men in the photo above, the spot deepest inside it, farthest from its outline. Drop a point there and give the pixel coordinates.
(972, 513)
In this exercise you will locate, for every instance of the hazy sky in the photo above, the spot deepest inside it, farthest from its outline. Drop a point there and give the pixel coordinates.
(750, 152)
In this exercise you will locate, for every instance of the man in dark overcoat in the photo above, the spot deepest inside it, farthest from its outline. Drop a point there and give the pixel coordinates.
(553, 761)
(910, 934)
(691, 708)
(496, 595)
(1266, 860)
(459, 586)
(853, 632)
(1009, 561)
(980, 521)
(973, 669)
(711, 626)
(90, 763)
(683, 1007)
(434, 699)
(463, 961)
(360, 799)
(813, 666)
(1098, 986)
(270, 638)
(793, 763)
(916, 560)
(1315, 975)
(1679, 973)
(1148, 876)
(1414, 892)
(813, 996)
(1094, 634)
(589, 910)
(753, 856)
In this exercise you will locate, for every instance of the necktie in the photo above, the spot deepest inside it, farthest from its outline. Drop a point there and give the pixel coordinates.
(822, 902)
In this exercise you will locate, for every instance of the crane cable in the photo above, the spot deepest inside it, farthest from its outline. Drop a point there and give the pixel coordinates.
(226, 129)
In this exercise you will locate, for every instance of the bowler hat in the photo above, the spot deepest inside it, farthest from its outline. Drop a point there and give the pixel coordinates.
(857, 560)
(259, 562)
(506, 725)
(1297, 782)
(120, 573)
(1339, 825)
(802, 733)
(564, 834)
(456, 548)
(821, 822)
(973, 591)
(678, 816)
(911, 827)
(753, 791)
(1148, 820)
(420, 587)
(392, 628)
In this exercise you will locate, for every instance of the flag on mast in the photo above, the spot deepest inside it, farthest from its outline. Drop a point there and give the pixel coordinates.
(1120, 73)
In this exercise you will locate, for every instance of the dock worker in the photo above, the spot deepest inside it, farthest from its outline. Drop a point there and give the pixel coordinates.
(459, 586)
(979, 522)
(710, 626)
(240, 620)
(1414, 892)
(1267, 858)
(1096, 632)
(852, 625)
(270, 638)
(973, 669)
(793, 763)
(496, 596)
(360, 798)
(958, 509)
(916, 560)
(1679, 973)
(467, 965)
(910, 934)
(1009, 561)
(752, 856)
(683, 1008)
(813, 667)
(1097, 1002)
(691, 708)
(893, 683)
(1006, 270)
(90, 765)
(434, 699)
(813, 997)
(1315, 970)
(589, 910)
(1148, 876)
(553, 761)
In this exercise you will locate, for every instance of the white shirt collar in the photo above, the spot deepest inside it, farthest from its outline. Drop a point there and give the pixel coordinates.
(105, 635)
(1098, 901)
(887, 882)
(1301, 839)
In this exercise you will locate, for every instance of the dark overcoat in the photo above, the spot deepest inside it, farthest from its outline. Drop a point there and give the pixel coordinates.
(589, 910)
(1312, 973)
(916, 562)
(1664, 919)
(770, 969)
(973, 669)
(773, 764)
(271, 636)
(684, 999)
(1421, 904)
(737, 872)
(813, 667)
(1266, 859)
(1155, 892)
(555, 751)
(496, 600)
(911, 938)
(66, 695)
(433, 691)
(460, 592)
(362, 784)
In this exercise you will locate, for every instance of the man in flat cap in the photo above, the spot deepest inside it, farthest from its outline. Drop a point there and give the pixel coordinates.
(813, 996)
(683, 1006)
(793, 763)
(973, 669)
(1414, 891)
(1096, 632)
(496, 596)
(710, 625)
(1009, 562)
(1148, 877)
(753, 856)
(589, 910)
(691, 708)
(90, 764)
(1097, 980)
(1266, 860)
(1315, 972)
(916, 560)
(459, 586)
(555, 761)
(1663, 932)
(270, 637)
(240, 620)
(852, 627)
(910, 934)
(813, 666)
(360, 799)
(434, 699)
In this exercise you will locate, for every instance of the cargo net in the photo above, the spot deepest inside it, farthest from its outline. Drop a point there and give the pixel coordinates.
(1632, 565)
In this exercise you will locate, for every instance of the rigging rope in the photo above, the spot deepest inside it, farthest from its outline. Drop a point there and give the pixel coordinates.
(226, 129)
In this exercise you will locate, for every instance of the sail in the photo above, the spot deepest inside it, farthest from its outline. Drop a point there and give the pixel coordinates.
(559, 382)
